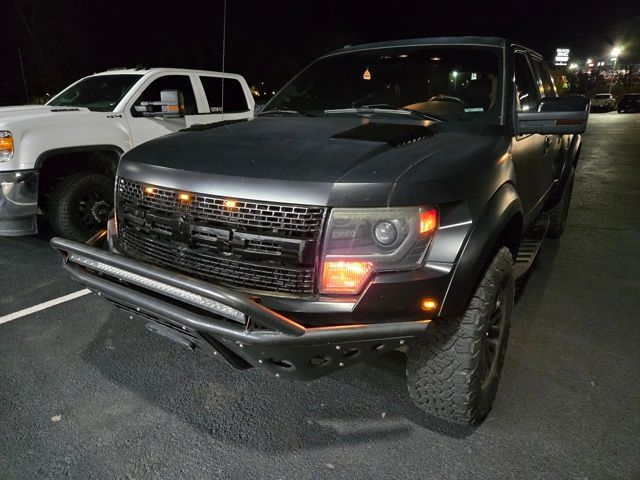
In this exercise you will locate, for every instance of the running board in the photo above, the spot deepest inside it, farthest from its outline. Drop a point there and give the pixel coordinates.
(530, 245)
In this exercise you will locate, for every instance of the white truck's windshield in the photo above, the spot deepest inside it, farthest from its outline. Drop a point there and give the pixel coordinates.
(100, 93)
(455, 83)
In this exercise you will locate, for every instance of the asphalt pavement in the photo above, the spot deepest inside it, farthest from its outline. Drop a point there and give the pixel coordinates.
(87, 393)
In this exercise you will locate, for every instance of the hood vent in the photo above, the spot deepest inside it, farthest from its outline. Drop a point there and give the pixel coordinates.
(68, 109)
(393, 134)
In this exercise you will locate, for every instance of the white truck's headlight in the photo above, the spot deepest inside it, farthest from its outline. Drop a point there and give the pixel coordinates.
(6, 145)
(359, 241)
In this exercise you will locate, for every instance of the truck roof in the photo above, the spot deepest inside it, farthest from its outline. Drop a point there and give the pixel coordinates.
(410, 42)
(497, 42)
(144, 71)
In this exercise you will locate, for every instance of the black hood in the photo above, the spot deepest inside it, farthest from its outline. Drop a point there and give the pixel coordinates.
(281, 148)
(322, 160)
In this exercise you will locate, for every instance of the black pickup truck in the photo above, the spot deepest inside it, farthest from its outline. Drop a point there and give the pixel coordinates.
(386, 198)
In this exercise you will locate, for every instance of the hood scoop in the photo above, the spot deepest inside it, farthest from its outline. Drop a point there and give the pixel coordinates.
(393, 134)
(65, 109)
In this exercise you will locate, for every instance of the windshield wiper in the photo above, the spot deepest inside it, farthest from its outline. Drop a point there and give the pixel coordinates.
(384, 108)
(285, 110)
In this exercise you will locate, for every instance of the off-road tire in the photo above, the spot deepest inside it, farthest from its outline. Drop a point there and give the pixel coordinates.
(558, 214)
(91, 190)
(445, 369)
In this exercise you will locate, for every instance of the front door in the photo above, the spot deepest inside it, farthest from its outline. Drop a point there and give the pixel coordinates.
(144, 129)
(554, 143)
(530, 152)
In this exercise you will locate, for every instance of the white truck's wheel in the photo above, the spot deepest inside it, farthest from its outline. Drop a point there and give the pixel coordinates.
(80, 204)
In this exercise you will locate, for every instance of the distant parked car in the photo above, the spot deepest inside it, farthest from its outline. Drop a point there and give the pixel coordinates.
(629, 103)
(603, 102)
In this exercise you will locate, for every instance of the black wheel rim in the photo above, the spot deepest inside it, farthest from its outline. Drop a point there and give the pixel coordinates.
(493, 337)
(92, 210)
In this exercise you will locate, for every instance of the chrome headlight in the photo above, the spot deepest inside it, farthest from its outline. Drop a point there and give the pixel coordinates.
(6, 146)
(359, 241)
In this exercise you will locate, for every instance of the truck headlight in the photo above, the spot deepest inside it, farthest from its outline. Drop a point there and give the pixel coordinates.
(360, 241)
(385, 233)
(6, 146)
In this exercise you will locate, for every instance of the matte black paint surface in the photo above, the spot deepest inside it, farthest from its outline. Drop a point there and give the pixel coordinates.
(481, 170)
(255, 158)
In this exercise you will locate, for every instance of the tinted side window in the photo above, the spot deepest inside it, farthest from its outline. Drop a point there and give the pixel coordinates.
(170, 82)
(234, 99)
(548, 88)
(527, 97)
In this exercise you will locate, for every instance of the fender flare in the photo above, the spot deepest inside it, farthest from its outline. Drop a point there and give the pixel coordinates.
(478, 249)
(76, 149)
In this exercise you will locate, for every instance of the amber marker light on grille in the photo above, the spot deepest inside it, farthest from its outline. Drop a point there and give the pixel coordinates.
(149, 190)
(345, 277)
(230, 203)
(429, 304)
(184, 197)
(428, 221)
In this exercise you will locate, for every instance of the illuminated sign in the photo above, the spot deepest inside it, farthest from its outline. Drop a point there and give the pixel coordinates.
(562, 56)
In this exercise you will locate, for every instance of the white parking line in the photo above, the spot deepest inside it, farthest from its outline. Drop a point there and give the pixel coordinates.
(43, 306)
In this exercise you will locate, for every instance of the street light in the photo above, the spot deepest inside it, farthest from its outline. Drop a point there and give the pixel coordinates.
(614, 56)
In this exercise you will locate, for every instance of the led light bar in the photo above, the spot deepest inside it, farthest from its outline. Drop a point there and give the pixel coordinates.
(160, 287)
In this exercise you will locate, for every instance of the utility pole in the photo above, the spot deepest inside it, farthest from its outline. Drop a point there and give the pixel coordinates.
(24, 79)
(615, 61)
(224, 46)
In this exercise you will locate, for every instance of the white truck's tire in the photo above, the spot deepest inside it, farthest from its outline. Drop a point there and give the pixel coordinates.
(80, 204)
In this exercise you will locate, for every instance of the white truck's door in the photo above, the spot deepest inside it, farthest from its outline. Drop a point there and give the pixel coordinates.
(238, 102)
(143, 128)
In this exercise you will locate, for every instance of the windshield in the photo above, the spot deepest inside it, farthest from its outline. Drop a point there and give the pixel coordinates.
(602, 95)
(455, 83)
(100, 93)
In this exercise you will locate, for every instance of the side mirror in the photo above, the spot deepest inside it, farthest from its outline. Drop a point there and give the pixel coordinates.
(555, 115)
(171, 105)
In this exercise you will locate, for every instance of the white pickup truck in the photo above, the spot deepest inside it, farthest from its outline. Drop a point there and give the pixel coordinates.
(59, 159)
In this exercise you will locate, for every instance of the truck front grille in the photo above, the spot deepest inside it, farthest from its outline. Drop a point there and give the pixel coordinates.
(294, 220)
(252, 245)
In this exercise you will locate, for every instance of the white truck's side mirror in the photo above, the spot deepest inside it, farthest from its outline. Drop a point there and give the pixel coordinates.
(171, 105)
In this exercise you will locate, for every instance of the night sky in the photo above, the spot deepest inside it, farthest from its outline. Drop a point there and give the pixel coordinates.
(62, 40)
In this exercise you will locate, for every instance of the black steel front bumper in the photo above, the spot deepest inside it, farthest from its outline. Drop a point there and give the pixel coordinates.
(232, 326)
